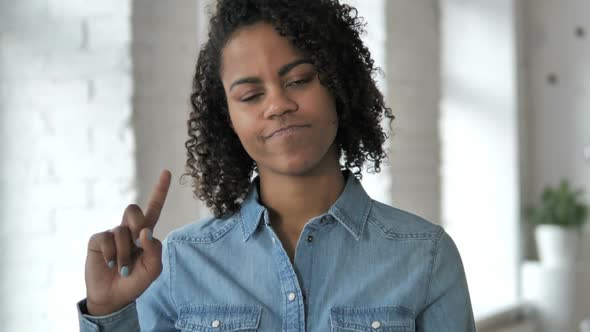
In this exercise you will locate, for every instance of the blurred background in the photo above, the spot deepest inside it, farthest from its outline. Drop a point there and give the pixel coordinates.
(492, 105)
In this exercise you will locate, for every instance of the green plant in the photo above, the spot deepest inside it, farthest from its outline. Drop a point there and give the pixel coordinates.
(559, 206)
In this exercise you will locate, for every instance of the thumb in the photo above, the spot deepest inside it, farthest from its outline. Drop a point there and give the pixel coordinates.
(152, 252)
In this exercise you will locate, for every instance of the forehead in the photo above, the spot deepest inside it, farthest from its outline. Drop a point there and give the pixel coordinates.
(255, 48)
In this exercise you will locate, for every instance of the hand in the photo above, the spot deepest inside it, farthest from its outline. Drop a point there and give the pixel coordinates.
(117, 271)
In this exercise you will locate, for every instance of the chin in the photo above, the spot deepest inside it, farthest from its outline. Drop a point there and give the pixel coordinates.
(301, 164)
(298, 168)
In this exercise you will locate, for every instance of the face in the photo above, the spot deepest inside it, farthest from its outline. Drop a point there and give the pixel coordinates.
(285, 119)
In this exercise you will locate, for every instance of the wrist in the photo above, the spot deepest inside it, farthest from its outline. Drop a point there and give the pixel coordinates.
(97, 310)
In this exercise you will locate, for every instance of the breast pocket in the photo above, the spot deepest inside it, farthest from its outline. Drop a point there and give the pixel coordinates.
(219, 318)
(383, 319)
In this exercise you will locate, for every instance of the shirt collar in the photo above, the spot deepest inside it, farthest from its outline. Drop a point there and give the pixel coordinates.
(351, 209)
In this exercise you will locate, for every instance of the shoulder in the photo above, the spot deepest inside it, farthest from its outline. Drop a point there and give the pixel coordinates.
(398, 224)
(206, 230)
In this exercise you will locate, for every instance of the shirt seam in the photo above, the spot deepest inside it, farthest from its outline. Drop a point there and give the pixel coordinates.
(309, 292)
(91, 325)
(248, 229)
(432, 265)
(170, 272)
(365, 216)
(277, 253)
(403, 236)
(209, 237)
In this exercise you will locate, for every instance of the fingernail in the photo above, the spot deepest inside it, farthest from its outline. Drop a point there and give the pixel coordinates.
(138, 243)
(111, 264)
(124, 271)
(149, 234)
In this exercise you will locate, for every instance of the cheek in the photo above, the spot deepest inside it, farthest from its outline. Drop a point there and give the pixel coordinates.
(329, 104)
(332, 114)
(245, 128)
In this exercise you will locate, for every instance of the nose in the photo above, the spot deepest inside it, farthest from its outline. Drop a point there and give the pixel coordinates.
(279, 103)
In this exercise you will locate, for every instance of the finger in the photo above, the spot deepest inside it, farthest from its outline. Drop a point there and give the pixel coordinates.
(133, 219)
(152, 252)
(104, 244)
(123, 244)
(109, 251)
(158, 198)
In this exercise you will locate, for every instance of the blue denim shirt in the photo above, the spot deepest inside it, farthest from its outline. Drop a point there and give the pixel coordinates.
(362, 266)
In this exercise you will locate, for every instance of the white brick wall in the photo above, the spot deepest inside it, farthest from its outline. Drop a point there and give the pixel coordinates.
(164, 51)
(67, 168)
(413, 84)
(378, 186)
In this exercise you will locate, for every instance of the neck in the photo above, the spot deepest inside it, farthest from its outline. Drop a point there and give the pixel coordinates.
(294, 200)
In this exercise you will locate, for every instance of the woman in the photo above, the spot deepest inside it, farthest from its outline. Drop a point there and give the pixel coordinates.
(284, 90)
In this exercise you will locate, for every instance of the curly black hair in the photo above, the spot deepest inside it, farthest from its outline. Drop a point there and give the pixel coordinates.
(326, 32)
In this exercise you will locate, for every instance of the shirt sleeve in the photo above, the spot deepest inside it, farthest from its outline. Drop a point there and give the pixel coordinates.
(448, 305)
(122, 320)
(154, 310)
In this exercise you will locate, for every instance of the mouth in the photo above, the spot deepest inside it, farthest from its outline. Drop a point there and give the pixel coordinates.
(286, 131)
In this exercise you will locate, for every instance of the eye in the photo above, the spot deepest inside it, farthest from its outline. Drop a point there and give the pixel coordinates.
(298, 82)
(251, 98)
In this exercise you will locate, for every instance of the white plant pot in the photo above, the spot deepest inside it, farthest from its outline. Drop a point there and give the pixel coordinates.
(558, 245)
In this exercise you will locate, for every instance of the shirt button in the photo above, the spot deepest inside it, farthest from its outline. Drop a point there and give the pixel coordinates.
(310, 238)
(376, 324)
(291, 296)
(215, 323)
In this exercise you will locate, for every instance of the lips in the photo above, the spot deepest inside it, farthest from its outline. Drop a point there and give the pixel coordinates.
(285, 130)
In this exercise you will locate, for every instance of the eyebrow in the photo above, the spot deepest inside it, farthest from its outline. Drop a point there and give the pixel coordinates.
(284, 70)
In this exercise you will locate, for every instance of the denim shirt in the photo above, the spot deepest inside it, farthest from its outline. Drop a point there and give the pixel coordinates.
(362, 266)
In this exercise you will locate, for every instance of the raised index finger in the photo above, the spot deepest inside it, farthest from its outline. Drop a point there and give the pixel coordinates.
(157, 198)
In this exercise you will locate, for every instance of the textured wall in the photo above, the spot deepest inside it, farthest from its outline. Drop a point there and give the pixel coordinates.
(557, 62)
(413, 91)
(556, 80)
(372, 12)
(164, 50)
(67, 165)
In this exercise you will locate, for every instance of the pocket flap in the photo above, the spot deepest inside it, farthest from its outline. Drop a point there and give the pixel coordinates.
(389, 318)
(218, 318)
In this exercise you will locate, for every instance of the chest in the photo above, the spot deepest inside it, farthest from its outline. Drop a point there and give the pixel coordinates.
(329, 284)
